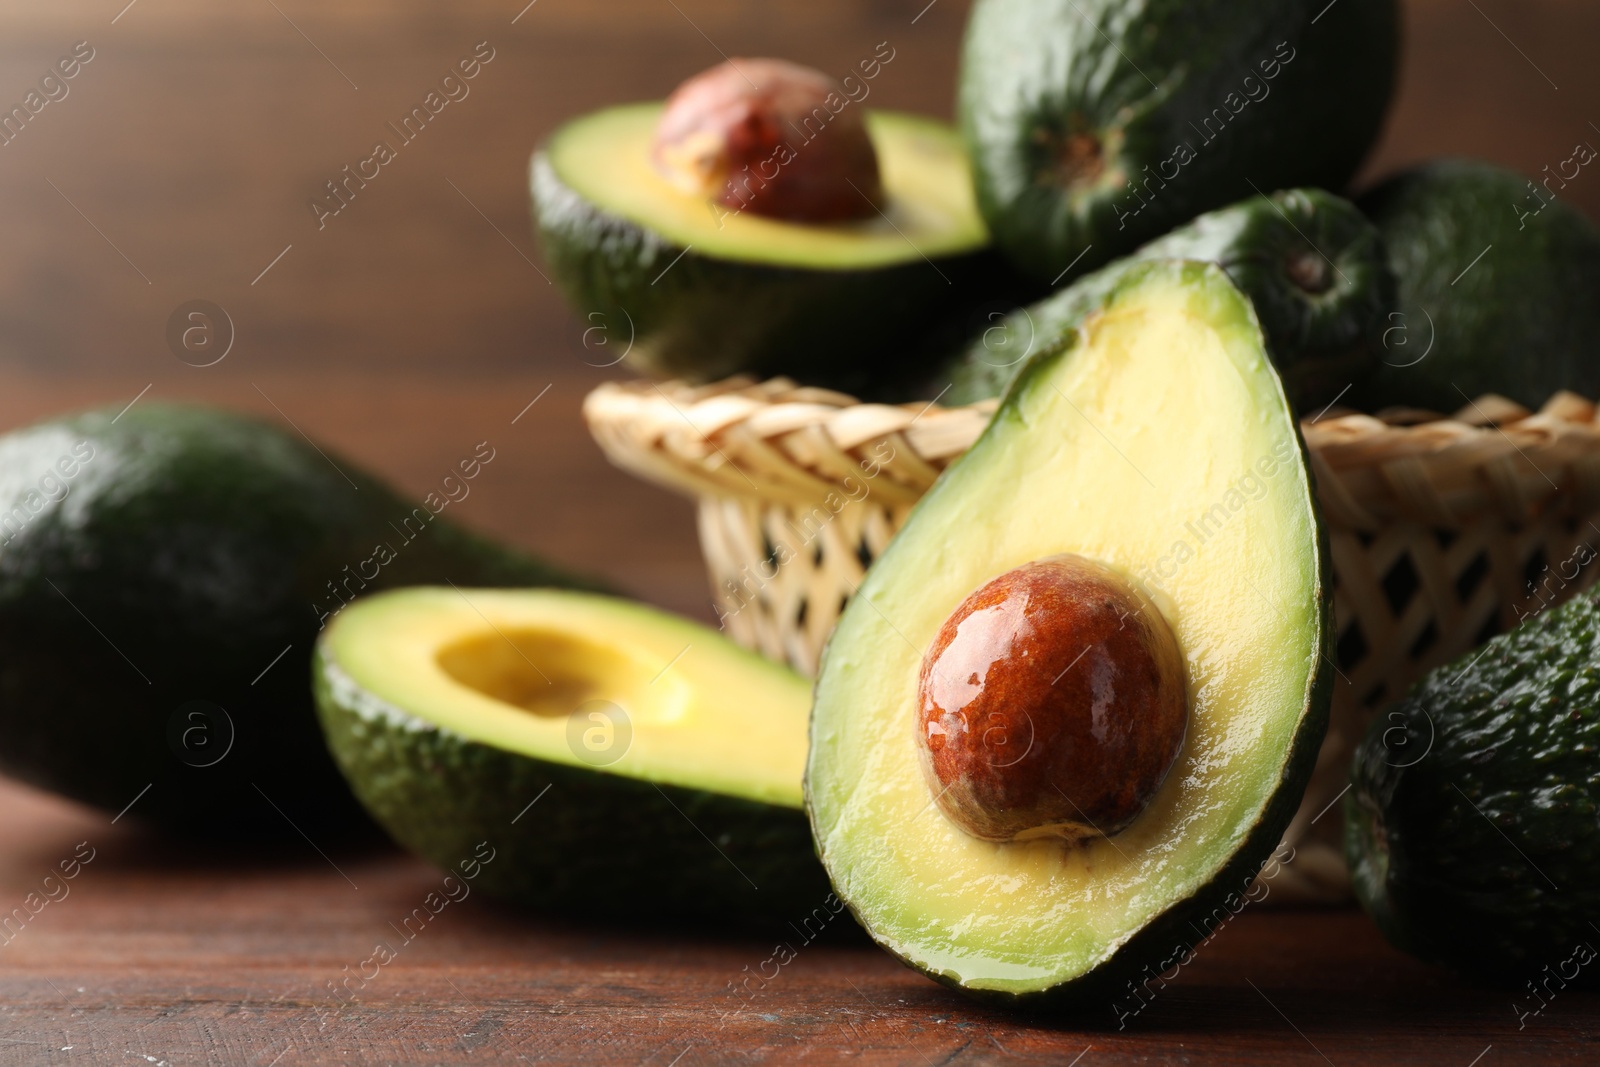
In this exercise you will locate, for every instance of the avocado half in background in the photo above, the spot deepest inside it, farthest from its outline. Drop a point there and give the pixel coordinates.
(1314, 267)
(163, 571)
(1498, 283)
(1470, 825)
(1155, 463)
(618, 760)
(1096, 125)
(779, 230)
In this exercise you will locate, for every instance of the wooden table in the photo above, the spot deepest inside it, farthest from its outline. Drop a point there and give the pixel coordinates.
(191, 954)
(417, 322)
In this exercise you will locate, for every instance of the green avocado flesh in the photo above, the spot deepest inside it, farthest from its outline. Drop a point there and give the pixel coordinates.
(1096, 125)
(1498, 282)
(605, 157)
(672, 757)
(703, 291)
(1312, 265)
(164, 571)
(1471, 822)
(1160, 444)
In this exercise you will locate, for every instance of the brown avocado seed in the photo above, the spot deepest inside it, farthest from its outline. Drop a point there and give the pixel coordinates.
(772, 138)
(1052, 702)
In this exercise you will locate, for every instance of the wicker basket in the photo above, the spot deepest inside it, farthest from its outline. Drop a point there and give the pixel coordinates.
(1443, 531)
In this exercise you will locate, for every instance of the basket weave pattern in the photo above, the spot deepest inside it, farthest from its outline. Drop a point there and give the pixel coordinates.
(1442, 531)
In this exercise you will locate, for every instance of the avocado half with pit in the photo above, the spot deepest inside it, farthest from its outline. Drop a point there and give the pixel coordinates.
(1067, 716)
(610, 755)
(679, 285)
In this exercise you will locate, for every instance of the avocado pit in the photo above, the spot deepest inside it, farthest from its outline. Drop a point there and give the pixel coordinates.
(1051, 703)
(770, 137)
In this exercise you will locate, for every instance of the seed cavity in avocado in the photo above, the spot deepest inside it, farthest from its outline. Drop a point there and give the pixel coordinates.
(1051, 703)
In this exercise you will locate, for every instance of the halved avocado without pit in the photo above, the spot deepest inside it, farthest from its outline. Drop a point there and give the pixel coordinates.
(610, 755)
(1158, 445)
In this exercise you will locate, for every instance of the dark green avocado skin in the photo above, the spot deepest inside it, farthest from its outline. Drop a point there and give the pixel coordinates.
(190, 550)
(1313, 266)
(1471, 824)
(671, 312)
(1521, 321)
(1156, 91)
(593, 844)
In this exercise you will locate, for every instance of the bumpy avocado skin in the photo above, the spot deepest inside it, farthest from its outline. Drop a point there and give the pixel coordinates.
(1471, 824)
(1048, 84)
(189, 551)
(1323, 337)
(1500, 303)
(678, 313)
(593, 844)
(1115, 989)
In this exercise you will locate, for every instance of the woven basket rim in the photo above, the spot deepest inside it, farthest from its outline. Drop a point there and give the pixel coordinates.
(1482, 492)
(780, 441)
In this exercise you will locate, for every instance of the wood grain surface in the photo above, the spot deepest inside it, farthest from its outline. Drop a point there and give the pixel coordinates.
(418, 321)
(165, 952)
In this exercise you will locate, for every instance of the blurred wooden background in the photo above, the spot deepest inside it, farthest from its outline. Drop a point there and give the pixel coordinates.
(413, 326)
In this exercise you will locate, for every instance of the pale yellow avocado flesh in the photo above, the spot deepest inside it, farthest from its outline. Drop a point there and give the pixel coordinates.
(929, 208)
(507, 668)
(1165, 427)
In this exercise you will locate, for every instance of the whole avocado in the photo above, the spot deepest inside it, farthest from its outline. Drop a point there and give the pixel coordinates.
(1498, 282)
(1471, 822)
(1314, 268)
(163, 577)
(1096, 125)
